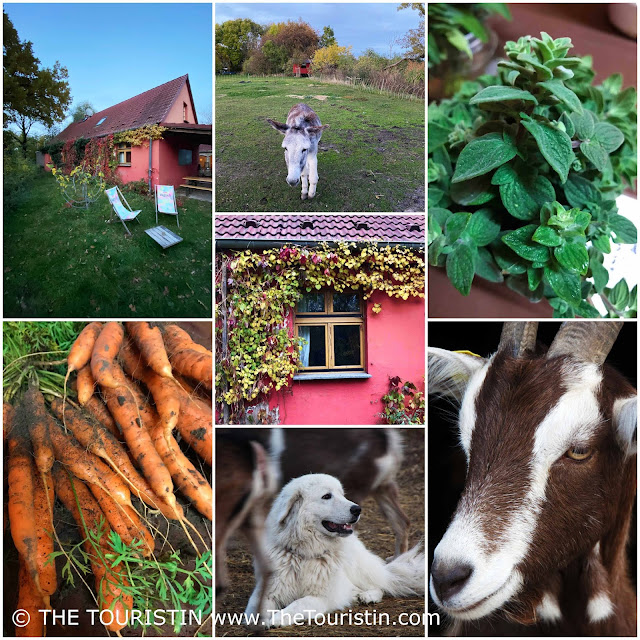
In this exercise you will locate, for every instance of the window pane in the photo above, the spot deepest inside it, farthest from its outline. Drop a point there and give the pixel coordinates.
(121, 157)
(311, 303)
(346, 344)
(313, 353)
(129, 156)
(346, 302)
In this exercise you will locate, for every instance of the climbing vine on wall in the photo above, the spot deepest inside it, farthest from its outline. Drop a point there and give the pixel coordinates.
(257, 351)
(140, 136)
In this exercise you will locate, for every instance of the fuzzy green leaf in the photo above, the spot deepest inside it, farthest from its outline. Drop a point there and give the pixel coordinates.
(484, 154)
(564, 94)
(565, 285)
(547, 236)
(624, 103)
(608, 136)
(473, 192)
(584, 124)
(599, 273)
(483, 227)
(523, 192)
(486, 266)
(596, 154)
(456, 224)
(619, 295)
(437, 135)
(579, 191)
(555, 145)
(625, 230)
(460, 268)
(502, 94)
(573, 256)
(521, 241)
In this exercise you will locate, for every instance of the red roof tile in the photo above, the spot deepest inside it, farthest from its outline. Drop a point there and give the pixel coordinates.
(318, 228)
(150, 107)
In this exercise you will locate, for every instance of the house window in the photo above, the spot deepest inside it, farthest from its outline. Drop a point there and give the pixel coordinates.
(185, 113)
(100, 121)
(123, 154)
(185, 157)
(332, 326)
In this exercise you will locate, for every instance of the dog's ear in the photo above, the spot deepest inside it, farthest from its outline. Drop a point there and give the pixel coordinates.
(290, 508)
(278, 126)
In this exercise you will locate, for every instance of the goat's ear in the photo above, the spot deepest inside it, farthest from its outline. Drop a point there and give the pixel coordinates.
(625, 420)
(450, 371)
(278, 126)
(290, 508)
(316, 130)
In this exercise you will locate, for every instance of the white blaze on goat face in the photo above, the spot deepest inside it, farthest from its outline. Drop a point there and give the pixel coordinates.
(511, 447)
(302, 132)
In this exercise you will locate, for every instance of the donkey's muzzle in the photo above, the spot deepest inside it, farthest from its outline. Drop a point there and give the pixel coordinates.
(449, 579)
(293, 183)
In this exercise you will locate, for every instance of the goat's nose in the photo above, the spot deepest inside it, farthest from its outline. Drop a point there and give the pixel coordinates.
(356, 509)
(449, 579)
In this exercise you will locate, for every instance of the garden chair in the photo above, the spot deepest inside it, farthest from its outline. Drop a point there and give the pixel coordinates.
(124, 213)
(166, 201)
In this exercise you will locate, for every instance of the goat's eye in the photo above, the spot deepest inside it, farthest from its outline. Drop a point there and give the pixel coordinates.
(326, 496)
(579, 453)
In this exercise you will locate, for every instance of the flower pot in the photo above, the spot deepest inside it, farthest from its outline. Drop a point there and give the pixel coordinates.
(486, 300)
(447, 77)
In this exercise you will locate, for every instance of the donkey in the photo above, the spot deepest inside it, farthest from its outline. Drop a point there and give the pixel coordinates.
(539, 534)
(302, 132)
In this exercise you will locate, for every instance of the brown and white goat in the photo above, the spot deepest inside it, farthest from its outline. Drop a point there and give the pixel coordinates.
(540, 531)
(245, 482)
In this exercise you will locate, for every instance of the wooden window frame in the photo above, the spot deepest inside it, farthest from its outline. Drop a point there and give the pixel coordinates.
(123, 147)
(329, 319)
(185, 112)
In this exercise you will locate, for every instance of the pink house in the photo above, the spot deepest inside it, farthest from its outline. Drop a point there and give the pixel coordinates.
(376, 346)
(167, 161)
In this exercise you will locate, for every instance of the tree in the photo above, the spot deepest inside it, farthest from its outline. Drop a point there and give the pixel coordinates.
(331, 57)
(413, 40)
(235, 39)
(31, 94)
(327, 38)
(299, 39)
(80, 111)
(276, 56)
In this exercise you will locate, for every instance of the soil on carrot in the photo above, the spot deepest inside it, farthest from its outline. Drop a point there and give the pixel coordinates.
(375, 532)
(370, 159)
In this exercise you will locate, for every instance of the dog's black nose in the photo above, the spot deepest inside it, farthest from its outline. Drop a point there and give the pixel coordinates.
(356, 509)
(449, 579)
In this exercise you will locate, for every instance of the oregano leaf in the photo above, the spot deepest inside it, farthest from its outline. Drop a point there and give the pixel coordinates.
(521, 241)
(573, 257)
(608, 136)
(483, 227)
(460, 268)
(596, 154)
(584, 124)
(502, 94)
(484, 154)
(564, 94)
(555, 145)
(566, 285)
(472, 192)
(624, 229)
(522, 191)
(547, 236)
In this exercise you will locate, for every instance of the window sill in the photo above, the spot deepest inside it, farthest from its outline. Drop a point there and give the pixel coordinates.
(124, 165)
(333, 375)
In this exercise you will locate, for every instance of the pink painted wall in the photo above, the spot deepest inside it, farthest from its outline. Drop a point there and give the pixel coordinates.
(139, 169)
(395, 347)
(170, 172)
(175, 113)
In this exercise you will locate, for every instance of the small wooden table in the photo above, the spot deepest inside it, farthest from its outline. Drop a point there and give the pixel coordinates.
(203, 184)
(163, 236)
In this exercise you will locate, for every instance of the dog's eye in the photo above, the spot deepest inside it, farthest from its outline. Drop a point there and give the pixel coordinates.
(326, 496)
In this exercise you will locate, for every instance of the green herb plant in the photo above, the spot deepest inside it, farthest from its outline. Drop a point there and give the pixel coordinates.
(524, 171)
(449, 23)
(403, 403)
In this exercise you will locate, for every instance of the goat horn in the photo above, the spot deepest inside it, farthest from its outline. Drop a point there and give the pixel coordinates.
(518, 337)
(589, 341)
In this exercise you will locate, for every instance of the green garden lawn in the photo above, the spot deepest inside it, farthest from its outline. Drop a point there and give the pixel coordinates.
(66, 263)
(370, 159)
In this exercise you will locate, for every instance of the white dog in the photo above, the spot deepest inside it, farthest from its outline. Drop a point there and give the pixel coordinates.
(318, 563)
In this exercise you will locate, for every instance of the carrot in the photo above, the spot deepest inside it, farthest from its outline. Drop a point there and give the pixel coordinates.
(102, 443)
(8, 414)
(83, 346)
(104, 353)
(149, 341)
(131, 359)
(185, 476)
(31, 601)
(166, 399)
(122, 405)
(44, 544)
(193, 364)
(99, 411)
(124, 521)
(88, 516)
(195, 424)
(86, 465)
(86, 384)
(38, 424)
(177, 339)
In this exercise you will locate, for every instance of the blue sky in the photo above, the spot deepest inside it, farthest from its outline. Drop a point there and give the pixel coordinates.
(364, 26)
(115, 51)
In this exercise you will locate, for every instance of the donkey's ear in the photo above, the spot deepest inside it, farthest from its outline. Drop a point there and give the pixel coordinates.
(278, 126)
(314, 131)
(625, 420)
(450, 371)
(289, 508)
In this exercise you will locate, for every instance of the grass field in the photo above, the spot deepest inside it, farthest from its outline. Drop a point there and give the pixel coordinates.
(64, 262)
(370, 159)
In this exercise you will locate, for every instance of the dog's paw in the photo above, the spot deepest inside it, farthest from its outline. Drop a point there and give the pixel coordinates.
(370, 596)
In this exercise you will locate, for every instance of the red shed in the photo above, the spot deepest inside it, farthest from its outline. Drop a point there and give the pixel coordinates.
(352, 347)
(302, 70)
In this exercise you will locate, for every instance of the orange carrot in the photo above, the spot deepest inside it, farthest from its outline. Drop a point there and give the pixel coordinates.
(193, 364)
(85, 384)
(185, 476)
(177, 339)
(110, 596)
(195, 424)
(149, 341)
(83, 346)
(31, 601)
(86, 465)
(104, 353)
(22, 518)
(8, 414)
(124, 521)
(44, 545)
(99, 411)
(38, 423)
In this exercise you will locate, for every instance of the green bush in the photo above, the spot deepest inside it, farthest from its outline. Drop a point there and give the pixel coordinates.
(19, 174)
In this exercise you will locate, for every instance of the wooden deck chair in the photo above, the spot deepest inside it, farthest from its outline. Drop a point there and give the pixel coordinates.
(166, 201)
(124, 213)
